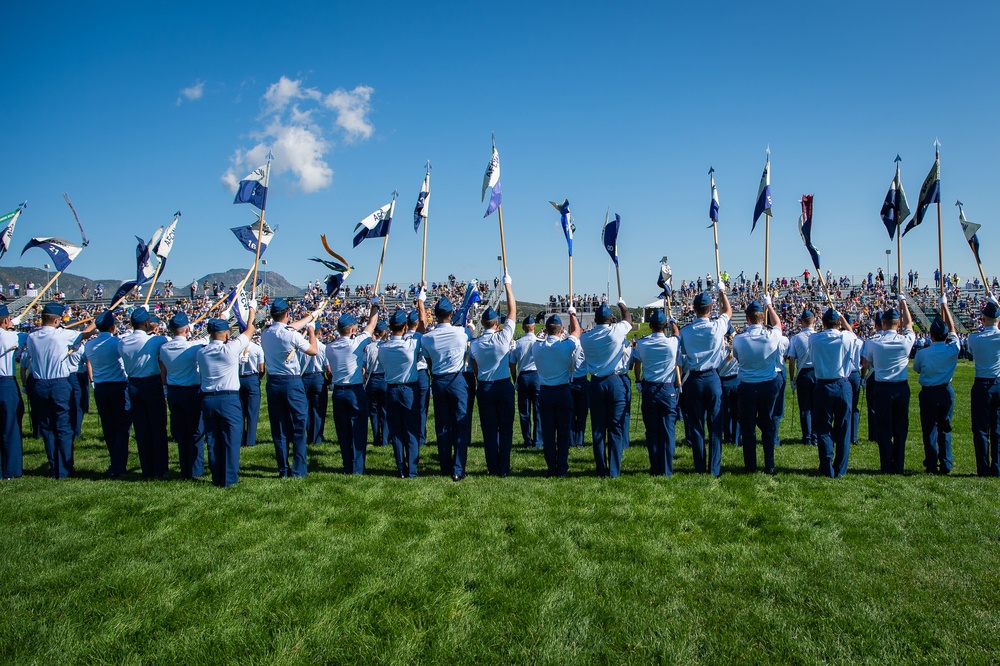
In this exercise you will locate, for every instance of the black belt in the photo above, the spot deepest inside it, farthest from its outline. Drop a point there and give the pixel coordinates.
(801, 370)
(830, 381)
(699, 373)
(211, 393)
(990, 380)
(411, 384)
(345, 386)
(729, 377)
(937, 386)
(250, 374)
(307, 374)
(527, 372)
(378, 374)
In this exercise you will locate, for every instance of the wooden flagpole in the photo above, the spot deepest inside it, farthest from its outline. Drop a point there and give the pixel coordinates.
(149, 293)
(571, 280)
(260, 229)
(503, 245)
(767, 247)
(618, 276)
(223, 299)
(378, 276)
(41, 293)
(937, 158)
(423, 258)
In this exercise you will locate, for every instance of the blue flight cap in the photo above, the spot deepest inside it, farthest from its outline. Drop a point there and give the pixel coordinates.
(891, 313)
(279, 305)
(938, 328)
(443, 306)
(346, 319)
(153, 319)
(658, 317)
(489, 314)
(877, 318)
(54, 309)
(807, 314)
(554, 320)
(178, 321)
(850, 319)
(702, 299)
(831, 315)
(602, 313)
(528, 320)
(754, 307)
(105, 320)
(4, 312)
(139, 316)
(398, 318)
(412, 317)
(217, 325)
(381, 325)
(991, 310)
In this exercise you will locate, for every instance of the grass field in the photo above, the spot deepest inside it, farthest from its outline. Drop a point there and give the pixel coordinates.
(340, 569)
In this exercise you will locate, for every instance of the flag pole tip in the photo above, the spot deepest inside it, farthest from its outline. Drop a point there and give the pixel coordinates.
(711, 170)
(768, 149)
(898, 159)
(957, 202)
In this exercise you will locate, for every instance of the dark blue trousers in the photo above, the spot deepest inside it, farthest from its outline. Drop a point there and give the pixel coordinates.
(607, 421)
(250, 407)
(756, 405)
(937, 404)
(985, 399)
(424, 399)
(805, 388)
(84, 380)
(11, 448)
(350, 417)
(112, 403)
(223, 418)
(832, 425)
(556, 406)
(451, 419)
(187, 429)
(286, 410)
(375, 391)
(659, 414)
(29, 390)
(403, 421)
(528, 386)
(580, 392)
(730, 410)
(855, 380)
(76, 391)
(704, 403)
(892, 415)
(627, 381)
(149, 418)
(53, 396)
(870, 400)
(779, 405)
(316, 395)
(496, 416)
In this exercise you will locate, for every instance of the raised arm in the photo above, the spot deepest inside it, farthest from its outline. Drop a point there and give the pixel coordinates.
(511, 303)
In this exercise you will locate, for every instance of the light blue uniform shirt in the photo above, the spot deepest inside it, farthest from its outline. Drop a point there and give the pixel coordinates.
(491, 351)
(105, 361)
(398, 355)
(140, 354)
(702, 342)
(317, 363)
(277, 342)
(251, 359)
(936, 364)
(830, 352)
(220, 364)
(985, 348)
(857, 345)
(50, 348)
(603, 347)
(779, 360)
(889, 354)
(521, 355)
(445, 347)
(659, 356)
(421, 361)
(554, 359)
(346, 357)
(372, 365)
(10, 342)
(758, 350)
(798, 348)
(579, 363)
(180, 357)
(625, 364)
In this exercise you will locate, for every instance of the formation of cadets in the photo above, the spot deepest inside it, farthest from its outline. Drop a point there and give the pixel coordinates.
(385, 373)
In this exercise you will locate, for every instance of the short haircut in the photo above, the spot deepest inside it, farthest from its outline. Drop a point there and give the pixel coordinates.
(755, 317)
(553, 329)
(50, 318)
(397, 328)
(702, 310)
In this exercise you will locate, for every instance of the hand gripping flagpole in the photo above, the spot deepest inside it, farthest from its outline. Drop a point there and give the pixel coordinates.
(385, 243)
(260, 232)
(937, 158)
(423, 256)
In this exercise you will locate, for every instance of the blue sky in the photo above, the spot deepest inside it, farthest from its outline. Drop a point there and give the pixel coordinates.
(138, 112)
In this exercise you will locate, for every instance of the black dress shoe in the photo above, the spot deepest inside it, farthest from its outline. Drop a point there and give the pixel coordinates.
(457, 477)
(770, 471)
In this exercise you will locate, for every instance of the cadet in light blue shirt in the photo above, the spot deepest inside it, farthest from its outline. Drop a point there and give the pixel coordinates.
(830, 351)
(219, 362)
(936, 366)
(889, 354)
(490, 356)
(423, 379)
(251, 370)
(802, 374)
(110, 392)
(140, 354)
(522, 364)
(985, 394)
(603, 347)
(656, 357)
(11, 404)
(315, 374)
(49, 347)
(399, 355)
(179, 363)
(375, 386)
(758, 349)
(554, 357)
(345, 357)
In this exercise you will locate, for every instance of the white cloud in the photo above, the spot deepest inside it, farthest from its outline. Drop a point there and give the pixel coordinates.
(191, 93)
(352, 109)
(295, 132)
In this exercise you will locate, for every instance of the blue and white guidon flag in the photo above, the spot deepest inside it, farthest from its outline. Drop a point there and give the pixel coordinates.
(805, 228)
(713, 207)
(566, 219)
(491, 179)
(423, 207)
(375, 225)
(8, 233)
(763, 194)
(251, 234)
(61, 251)
(253, 188)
